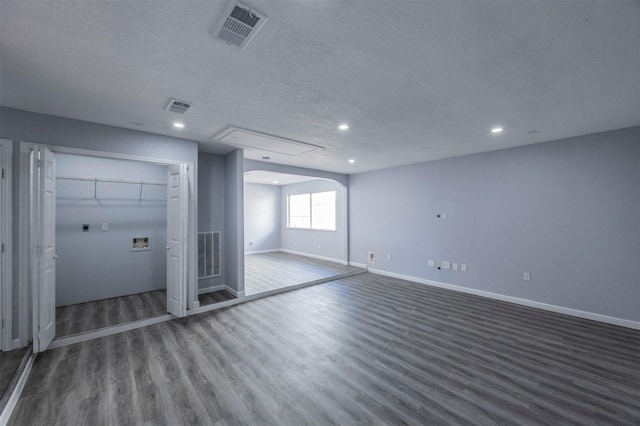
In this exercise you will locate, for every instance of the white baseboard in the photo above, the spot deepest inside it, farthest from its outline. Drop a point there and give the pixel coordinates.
(15, 343)
(261, 251)
(314, 256)
(15, 395)
(234, 292)
(517, 300)
(358, 265)
(211, 289)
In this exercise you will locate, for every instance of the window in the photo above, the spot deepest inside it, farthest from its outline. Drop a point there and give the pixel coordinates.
(312, 211)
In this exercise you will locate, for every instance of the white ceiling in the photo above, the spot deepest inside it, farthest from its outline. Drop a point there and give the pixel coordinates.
(415, 81)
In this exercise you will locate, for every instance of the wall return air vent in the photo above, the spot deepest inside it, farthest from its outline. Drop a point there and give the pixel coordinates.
(238, 25)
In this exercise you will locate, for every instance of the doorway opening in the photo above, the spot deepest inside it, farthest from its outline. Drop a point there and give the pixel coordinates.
(111, 229)
(295, 230)
(111, 247)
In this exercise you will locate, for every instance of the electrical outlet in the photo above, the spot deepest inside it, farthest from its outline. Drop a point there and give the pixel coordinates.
(371, 257)
(105, 226)
(454, 266)
(446, 265)
(463, 267)
(526, 276)
(431, 263)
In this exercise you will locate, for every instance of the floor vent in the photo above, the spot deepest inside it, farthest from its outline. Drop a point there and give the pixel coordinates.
(209, 254)
(179, 107)
(238, 25)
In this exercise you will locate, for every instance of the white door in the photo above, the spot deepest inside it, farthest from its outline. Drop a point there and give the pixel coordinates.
(177, 226)
(45, 251)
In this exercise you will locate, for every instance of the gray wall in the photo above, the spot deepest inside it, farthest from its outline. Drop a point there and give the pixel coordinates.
(566, 211)
(234, 221)
(328, 244)
(20, 125)
(261, 217)
(211, 205)
(99, 264)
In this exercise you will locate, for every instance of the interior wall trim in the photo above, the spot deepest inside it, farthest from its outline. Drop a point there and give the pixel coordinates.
(328, 259)
(211, 289)
(249, 253)
(517, 300)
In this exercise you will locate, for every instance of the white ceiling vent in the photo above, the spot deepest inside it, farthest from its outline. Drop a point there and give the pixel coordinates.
(247, 139)
(179, 107)
(239, 24)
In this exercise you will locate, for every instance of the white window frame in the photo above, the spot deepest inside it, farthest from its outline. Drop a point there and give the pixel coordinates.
(311, 215)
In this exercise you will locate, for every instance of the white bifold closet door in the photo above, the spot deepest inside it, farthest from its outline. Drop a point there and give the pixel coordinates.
(43, 238)
(177, 228)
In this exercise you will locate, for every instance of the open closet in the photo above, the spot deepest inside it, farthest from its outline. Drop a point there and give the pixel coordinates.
(111, 232)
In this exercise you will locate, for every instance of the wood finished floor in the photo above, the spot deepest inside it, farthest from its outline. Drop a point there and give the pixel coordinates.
(214, 297)
(263, 272)
(364, 350)
(270, 271)
(9, 362)
(98, 314)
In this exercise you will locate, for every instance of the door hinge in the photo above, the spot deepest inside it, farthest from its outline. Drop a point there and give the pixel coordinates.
(3, 247)
(2, 173)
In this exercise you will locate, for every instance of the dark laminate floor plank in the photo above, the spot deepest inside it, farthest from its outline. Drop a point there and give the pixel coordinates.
(363, 350)
(9, 362)
(83, 317)
(269, 271)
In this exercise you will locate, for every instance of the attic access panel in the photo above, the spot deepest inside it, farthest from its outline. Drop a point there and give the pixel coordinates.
(247, 139)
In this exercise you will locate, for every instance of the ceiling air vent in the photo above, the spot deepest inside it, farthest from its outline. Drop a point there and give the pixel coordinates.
(238, 25)
(179, 107)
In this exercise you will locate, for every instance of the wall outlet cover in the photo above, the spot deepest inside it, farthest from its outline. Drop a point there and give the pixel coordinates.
(431, 263)
(463, 267)
(454, 266)
(371, 257)
(446, 265)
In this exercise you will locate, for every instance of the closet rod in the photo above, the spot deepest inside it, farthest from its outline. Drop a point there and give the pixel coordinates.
(90, 179)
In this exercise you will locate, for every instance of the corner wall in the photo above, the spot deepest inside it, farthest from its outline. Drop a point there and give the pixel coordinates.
(19, 125)
(566, 211)
(261, 217)
(211, 206)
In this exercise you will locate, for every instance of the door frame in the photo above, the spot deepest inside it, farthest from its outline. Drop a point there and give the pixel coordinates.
(6, 235)
(26, 297)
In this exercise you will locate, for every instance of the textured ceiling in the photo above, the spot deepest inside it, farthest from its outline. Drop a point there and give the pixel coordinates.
(415, 81)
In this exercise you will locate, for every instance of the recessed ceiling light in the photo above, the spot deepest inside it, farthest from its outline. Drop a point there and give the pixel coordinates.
(178, 125)
(343, 126)
(351, 160)
(275, 181)
(497, 130)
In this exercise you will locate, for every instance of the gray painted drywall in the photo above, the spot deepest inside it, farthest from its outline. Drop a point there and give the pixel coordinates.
(211, 205)
(19, 125)
(99, 264)
(234, 221)
(328, 244)
(261, 217)
(567, 211)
